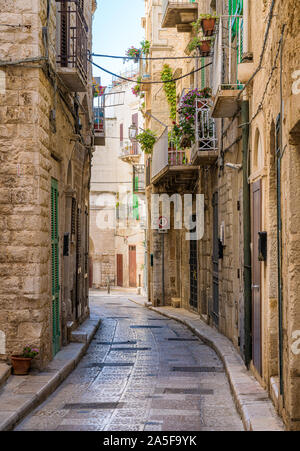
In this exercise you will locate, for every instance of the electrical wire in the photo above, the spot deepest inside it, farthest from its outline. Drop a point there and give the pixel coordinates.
(146, 58)
(148, 82)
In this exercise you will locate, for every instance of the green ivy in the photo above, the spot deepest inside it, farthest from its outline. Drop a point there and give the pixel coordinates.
(170, 90)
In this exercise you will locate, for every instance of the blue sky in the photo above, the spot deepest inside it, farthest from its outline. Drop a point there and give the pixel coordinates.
(116, 27)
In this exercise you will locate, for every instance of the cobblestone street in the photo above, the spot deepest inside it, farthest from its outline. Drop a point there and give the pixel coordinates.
(141, 372)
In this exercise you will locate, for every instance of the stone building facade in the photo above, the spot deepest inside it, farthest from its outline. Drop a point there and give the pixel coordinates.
(118, 212)
(242, 277)
(46, 144)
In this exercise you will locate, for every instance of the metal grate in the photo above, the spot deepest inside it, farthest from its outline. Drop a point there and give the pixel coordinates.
(130, 349)
(112, 364)
(198, 369)
(188, 391)
(146, 327)
(94, 405)
(116, 343)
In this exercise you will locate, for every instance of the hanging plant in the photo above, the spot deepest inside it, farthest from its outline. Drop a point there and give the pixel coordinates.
(147, 139)
(136, 90)
(206, 22)
(170, 89)
(204, 44)
(133, 52)
(146, 47)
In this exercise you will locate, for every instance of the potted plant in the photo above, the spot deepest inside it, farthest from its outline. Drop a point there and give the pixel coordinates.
(21, 363)
(204, 47)
(147, 139)
(207, 23)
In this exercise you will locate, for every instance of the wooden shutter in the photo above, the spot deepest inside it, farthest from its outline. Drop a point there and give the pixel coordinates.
(55, 267)
(121, 133)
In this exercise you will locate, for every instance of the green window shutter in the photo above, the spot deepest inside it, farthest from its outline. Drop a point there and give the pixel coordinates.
(203, 73)
(135, 207)
(55, 267)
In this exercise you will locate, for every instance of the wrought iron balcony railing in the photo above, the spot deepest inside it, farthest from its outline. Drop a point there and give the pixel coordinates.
(138, 178)
(72, 42)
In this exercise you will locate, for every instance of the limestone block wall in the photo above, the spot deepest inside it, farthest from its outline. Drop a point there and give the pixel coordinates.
(33, 149)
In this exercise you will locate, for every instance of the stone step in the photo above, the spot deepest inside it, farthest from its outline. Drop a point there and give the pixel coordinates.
(5, 372)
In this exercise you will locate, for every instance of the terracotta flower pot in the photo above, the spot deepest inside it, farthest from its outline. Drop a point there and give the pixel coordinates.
(208, 26)
(204, 48)
(21, 365)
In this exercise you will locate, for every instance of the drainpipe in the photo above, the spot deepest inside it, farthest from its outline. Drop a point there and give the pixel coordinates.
(163, 267)
(279, 154)
(247, 237)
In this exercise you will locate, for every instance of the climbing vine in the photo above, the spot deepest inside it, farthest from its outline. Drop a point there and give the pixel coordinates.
(170, 89)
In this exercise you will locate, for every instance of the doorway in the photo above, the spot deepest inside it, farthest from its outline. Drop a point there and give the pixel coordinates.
(132, 266)
(119, 270)
(256, 276)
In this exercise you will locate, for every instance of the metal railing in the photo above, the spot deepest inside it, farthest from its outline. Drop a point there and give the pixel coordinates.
(228, 51)
(138, 178)
(205, 129)
(165, 4)
(129, 149)
(164, 156)
(99, 120)
(73, 37)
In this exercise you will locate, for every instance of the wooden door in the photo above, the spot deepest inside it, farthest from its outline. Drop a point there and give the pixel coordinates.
(132, 266)
(256, 276)
(119, 270)
(215, 260)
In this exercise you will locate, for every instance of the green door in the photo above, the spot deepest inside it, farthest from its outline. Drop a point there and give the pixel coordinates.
(55, 267)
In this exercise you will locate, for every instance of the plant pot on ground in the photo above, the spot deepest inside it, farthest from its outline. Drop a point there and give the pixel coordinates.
(208, 26)
(21, 363)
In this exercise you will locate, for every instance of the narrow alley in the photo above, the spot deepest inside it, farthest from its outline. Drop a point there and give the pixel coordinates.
(141, 372)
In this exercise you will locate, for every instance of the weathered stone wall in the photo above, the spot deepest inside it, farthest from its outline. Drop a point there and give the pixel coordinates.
(33, 149)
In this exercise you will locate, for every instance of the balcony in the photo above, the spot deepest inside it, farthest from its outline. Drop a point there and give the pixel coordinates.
(99, 129)
(179, 14)
(130, 152)
(72, 45)
(227, 55)
(205, 150)
(138, 178)
(171, 167)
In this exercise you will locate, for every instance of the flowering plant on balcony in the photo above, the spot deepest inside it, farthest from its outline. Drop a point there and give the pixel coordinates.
(133, 52)
(147, 139)
(185, 130)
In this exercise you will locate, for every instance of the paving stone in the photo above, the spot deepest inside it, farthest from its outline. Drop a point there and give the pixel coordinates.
(126, 382)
